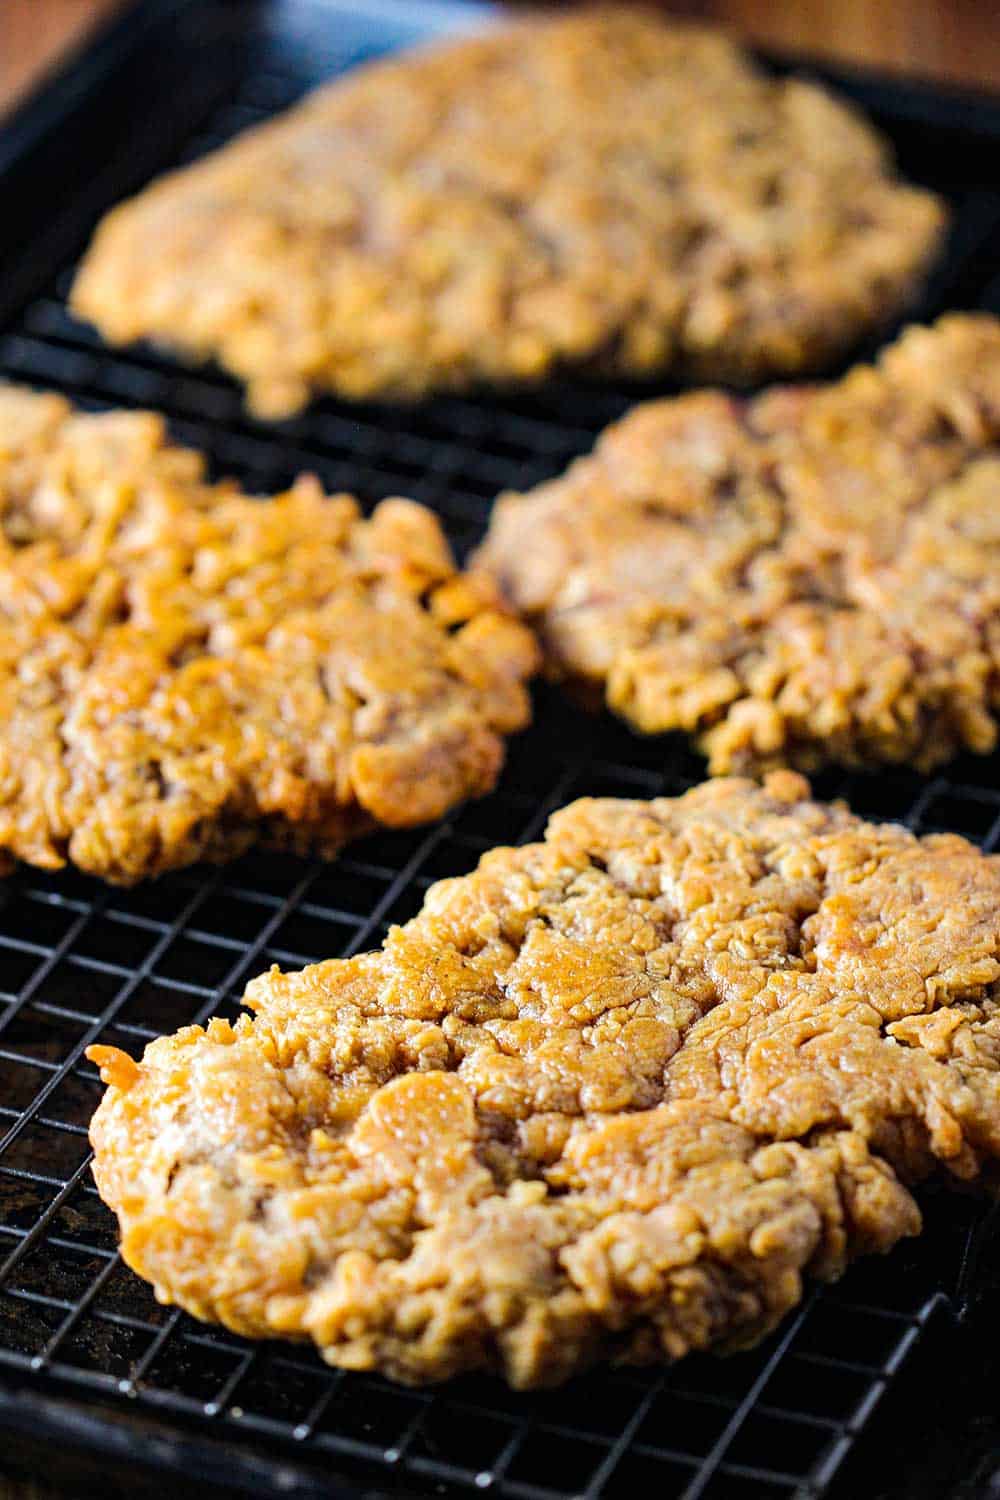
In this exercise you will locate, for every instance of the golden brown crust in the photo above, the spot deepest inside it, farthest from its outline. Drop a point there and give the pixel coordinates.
(613, 1094)
(606, 190)
(813, 575)
(184, 669)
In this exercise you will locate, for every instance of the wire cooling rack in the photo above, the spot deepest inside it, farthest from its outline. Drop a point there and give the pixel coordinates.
(86, 1354)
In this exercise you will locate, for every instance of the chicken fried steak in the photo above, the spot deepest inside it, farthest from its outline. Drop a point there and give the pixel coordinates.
(812, 575)
(611, 1095)
(185, 670)
(606, 190)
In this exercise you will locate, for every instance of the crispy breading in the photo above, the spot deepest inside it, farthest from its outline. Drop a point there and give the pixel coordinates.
(611, 1095)
(607, 190)
(185, 670)
(812, 575)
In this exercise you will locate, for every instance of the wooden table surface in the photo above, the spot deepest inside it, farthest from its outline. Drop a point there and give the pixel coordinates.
(957, 40)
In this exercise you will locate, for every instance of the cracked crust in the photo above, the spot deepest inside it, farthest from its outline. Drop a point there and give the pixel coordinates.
(812, 575)
(185, 670)
(606, 191)
(611, 1095)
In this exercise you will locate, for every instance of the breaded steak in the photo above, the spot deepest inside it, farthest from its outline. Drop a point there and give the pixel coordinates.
(184, 669)
(606, 190)
(611, 1095)
(812, 575)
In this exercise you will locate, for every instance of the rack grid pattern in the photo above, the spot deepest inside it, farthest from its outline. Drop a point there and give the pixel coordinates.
(80, 963)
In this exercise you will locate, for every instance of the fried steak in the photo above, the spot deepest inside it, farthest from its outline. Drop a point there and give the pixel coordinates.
(811, 575)
(185, 670)
(606, 190)
(613, 1095)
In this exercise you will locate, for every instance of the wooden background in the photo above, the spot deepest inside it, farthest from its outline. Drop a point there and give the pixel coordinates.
(957, 40)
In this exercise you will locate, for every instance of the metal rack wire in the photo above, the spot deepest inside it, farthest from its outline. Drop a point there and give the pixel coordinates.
(80, 962)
